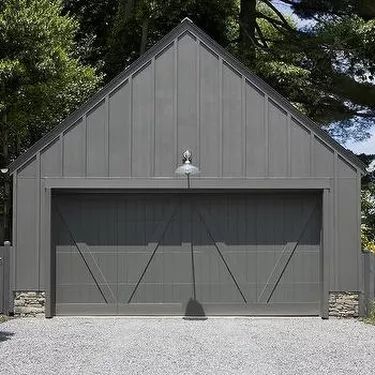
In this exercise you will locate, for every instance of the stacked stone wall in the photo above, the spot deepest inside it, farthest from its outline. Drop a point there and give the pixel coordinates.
(29, 303)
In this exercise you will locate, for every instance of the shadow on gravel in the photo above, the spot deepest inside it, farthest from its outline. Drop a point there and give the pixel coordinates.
(194, 311)
(5, 336)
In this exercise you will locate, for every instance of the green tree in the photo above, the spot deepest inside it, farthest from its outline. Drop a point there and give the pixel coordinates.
(41, 79)
(368, 204)
(339, 45)
(95, 24)
(138, 24)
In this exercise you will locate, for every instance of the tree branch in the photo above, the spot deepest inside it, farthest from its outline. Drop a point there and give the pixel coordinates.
(279, 14)
(253, 41)
(270, 19)
(289, 2)
(261, 36)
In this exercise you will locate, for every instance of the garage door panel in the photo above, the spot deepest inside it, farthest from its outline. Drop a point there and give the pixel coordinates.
(82, 293)
(106, 262)
(174, 266)
(218, 293)
(206, 264)
(131, 264)
(154, 293)
(138, 252)
(71, 268)
(162, 293)
(296, 292)
(266, 261)
(168, 267)
(243, 265)
(304, 266)
(210, 267)
(250, 290)
(269, 226)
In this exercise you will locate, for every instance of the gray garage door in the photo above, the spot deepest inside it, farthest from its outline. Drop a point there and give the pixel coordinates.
(226, 254)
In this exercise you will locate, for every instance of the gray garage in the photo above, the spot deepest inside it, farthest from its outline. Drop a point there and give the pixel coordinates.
(103, 225)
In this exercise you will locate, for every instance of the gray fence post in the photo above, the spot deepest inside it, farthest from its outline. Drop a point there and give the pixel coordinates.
(6, 277)
(368, 279)
(371, 277)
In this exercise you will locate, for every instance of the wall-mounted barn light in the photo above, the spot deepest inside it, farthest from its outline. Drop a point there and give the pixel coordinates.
(4, 170)
(187, 168)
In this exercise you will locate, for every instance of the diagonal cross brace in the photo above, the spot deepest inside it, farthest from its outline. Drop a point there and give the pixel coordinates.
(281, 264)
(217, 247)
(96, 272)
(162, 230)
(277, 272)
(91, 264)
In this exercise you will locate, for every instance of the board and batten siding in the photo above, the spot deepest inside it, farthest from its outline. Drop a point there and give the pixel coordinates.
(187, 97)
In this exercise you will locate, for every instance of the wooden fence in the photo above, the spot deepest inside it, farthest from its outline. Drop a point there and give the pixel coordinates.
(368, 280)
(4, 278)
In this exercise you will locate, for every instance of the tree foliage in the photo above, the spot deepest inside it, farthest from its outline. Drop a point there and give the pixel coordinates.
(95, 25)
(339, 45)
(139, 24)
(41, 79)
(368, 204)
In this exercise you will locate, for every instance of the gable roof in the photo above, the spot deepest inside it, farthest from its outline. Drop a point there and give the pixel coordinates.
(185, 26)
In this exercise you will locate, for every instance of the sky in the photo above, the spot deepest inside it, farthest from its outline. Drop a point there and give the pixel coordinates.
(367, 146)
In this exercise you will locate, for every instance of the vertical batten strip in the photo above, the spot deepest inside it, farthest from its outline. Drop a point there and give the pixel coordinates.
(84, 147)
(61, 142)
(359, 222)
(131, 124)
(221, 123)
(335, 218)
(325, 260)
(312, 140)
(106, 133)
(243, 122)
(13, 255)
(49, 274)
(153, 111)
(175, 98)
(288, 142)
(266, 135)
(198, 104)
(37, 221)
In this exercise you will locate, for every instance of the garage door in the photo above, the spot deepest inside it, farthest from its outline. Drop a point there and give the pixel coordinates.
(193, 254)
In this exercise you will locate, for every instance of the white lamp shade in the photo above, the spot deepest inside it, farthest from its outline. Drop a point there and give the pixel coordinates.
(187, 169)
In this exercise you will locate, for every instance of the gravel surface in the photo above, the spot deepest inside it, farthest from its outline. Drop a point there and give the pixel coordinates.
(176, 346)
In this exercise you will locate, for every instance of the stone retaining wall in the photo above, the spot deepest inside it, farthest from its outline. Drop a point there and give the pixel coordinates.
(29, 303)
(344, 304)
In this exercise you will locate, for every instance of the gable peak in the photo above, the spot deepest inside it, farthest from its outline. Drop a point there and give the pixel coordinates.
(187, 20)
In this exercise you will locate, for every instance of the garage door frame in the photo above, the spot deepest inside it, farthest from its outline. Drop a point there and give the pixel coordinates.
(179, 185)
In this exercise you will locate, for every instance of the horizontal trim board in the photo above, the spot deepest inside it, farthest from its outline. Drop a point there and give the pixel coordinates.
(181, 183)
(258, 309)
(167, 192)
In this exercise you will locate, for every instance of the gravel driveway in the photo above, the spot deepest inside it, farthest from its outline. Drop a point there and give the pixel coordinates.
(175, 346)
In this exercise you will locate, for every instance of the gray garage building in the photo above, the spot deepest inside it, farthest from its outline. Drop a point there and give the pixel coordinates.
(103, 225)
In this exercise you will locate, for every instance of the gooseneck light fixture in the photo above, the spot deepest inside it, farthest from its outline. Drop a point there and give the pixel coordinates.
(187, 168)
